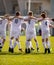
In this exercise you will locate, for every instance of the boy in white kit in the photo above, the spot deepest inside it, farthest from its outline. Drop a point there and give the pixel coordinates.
(3, 24)
(30, 33)
(45, 24)
(15, 32)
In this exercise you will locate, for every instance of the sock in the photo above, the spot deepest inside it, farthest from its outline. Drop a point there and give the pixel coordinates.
(44, 44)
(30, 45)
(27, 44)
(48, 44)
(14, 44)
(11, 41)
(0, 40)
(18, 43)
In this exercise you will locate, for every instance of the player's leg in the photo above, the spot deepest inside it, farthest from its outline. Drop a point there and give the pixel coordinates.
(31, 46)
(48, 44)
(28, 42)
(37, 46)
(47, 41)
(11, 45)
(30, 37)
(44, 42)
(36, 41)
(0, 44)
(3, 39)
(12, 35)
(17, 42)
(27, 50)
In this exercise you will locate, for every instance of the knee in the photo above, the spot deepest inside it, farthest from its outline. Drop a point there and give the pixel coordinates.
(42, 40)
(17, 39)
(4, 40)
(46, 39)
(28, 40)
(12, 38)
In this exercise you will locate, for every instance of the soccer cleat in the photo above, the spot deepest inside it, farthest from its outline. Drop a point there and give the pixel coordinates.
(9, 49)
(45, 50)
(0, 47)
(48, 50)
(12, 50)
(0, 43)
(32, 49)
(29, 50)
(21, 50)
(37, 49)
(26, 50)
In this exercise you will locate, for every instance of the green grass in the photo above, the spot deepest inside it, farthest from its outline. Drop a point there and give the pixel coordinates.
(34, 58)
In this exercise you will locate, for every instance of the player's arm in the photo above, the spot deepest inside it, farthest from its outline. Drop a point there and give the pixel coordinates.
(29, 17)
(37, 19)
(51, 25)
(12, 18)
(20, 17)
(50, 19)
(32, 17)
(25, 19)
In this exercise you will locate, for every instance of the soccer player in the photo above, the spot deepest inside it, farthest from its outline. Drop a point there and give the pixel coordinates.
(30, 32)
(3, 24)
(15, 31)
(45, 24)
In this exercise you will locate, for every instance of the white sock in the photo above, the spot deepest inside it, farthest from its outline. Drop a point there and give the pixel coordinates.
(14, 44)
(18, 43)
(11, 46)
(44, 44)
(30, 45)
(0, 40)
(48, 44)
(27, 44)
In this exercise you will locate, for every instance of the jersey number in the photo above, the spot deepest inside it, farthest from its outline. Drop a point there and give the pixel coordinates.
(46, 23)
(16, 21)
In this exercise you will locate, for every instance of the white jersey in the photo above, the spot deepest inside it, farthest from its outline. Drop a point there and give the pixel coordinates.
(3, 24)
(31, 25)
(16, 24)
(45, 25)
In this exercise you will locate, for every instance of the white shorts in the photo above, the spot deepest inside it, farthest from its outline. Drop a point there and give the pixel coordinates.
(45, 34)
(30, 35)
(15, 34)
(3, 34)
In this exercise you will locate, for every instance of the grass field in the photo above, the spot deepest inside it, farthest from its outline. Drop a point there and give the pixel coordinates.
(34, 58)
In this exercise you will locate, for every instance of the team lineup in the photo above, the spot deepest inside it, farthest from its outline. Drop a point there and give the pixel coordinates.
(15, 31)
